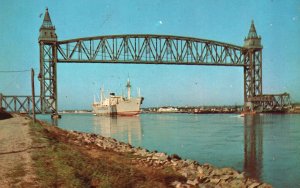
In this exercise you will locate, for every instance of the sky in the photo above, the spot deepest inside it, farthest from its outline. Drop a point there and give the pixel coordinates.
(277, 21)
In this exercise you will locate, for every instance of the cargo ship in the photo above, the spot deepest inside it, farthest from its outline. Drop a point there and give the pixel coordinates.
(118, 105)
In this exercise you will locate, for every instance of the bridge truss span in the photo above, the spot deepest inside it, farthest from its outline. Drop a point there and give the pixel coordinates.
(150, 49)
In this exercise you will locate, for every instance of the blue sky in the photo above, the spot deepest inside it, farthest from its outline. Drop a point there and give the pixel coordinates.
(226, 21)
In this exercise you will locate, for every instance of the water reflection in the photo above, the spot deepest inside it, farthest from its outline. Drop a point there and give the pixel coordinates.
(253, 146)
(126, 129)
(54, 121)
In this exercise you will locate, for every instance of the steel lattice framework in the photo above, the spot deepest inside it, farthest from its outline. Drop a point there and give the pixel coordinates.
(273, 102)
(22, 104)
(146, 49)
(47, 77)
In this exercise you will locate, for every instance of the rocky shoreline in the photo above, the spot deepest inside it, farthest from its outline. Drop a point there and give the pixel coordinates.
(197, 175)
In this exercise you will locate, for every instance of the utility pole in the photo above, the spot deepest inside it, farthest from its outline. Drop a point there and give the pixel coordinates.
(0, 101)
(33, 95)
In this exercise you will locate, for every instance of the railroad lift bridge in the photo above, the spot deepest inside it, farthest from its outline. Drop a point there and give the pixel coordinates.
(146, 49)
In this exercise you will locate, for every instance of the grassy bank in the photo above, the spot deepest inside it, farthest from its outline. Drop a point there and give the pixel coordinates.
(60, 161)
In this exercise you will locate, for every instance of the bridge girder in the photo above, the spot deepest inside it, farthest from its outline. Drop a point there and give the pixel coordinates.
(149, 49)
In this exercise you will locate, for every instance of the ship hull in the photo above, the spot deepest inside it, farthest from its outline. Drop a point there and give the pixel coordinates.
(128, 107)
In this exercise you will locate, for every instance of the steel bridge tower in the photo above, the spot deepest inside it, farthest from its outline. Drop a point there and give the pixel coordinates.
(48, 61)
(253, 70)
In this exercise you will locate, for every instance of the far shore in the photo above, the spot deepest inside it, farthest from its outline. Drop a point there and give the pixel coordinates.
(149, 112)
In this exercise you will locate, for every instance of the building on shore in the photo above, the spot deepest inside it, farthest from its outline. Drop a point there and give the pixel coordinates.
(167, 109)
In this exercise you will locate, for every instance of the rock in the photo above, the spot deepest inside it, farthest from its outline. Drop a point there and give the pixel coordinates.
(160, 156)
(207, 170)
(254, 185)
(200, 176)
(225, 177)
(240, 175)
(174, 163)
(192, 167)
(193, 182)
(200, 170)
(203, 179)
(228, 171)
(99, 144)
(178, 185)
(236, 183)
(93, 135)
(142, 152)
(185, 174)
(175, 183)
(189, 162)
(181, 164)
(86, 140)
(215, 180)
(264, 185)
(175, 156)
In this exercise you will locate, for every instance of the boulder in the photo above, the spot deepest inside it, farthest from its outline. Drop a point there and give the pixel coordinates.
(193, 182)
(199, 169)
(175, 156)
(160, 156)
(254, 185)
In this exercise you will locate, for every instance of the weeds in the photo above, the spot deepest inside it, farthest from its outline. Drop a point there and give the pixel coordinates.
(62, 164)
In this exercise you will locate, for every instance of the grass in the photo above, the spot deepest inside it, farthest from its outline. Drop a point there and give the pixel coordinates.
(63, 164)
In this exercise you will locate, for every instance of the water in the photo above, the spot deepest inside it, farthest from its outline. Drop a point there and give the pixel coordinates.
(266, 147)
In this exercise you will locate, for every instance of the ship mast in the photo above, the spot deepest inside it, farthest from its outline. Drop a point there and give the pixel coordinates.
(101, 95)
(139, 92)
(128, 88)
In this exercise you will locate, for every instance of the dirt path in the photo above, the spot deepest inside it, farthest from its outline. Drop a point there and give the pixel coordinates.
(15, 159)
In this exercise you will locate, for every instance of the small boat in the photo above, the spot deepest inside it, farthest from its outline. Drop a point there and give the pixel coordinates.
(118, 105)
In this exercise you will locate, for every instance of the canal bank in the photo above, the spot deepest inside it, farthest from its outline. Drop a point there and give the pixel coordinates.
(68, 158)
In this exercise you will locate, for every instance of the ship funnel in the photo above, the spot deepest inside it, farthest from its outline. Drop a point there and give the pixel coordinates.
(128, 89)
